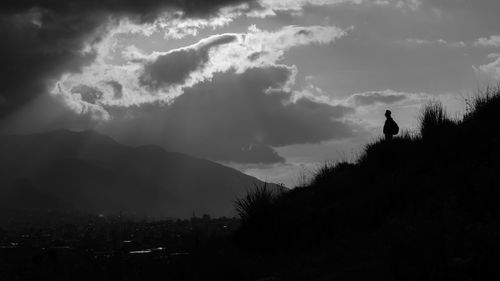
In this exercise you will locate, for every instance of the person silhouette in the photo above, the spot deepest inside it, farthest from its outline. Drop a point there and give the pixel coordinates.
(391, 128)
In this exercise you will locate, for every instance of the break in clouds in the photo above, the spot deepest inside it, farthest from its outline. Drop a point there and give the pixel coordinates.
(162, 76)
(229, 96)
(42, 40)
(234, 118)
(225, 97)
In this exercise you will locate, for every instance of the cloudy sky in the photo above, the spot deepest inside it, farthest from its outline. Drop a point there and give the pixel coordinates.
(271, 87)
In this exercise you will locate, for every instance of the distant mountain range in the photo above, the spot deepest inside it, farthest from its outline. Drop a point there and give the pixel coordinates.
(89, 172)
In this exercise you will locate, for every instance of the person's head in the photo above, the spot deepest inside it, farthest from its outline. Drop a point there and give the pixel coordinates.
(387, 113)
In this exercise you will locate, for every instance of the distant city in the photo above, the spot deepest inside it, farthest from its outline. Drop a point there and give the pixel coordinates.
(31, 241)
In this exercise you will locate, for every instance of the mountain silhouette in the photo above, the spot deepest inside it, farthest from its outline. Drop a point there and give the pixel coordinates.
(90, 172)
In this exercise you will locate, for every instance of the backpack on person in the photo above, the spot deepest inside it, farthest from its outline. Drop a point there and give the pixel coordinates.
(394, 127)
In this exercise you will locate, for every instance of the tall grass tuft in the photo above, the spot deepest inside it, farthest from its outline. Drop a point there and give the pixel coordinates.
(434, 121)
(256, 203)
(398, 193)
(485, 106)
(325, 172)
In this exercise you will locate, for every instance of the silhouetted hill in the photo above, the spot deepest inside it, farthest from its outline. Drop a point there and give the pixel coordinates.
(424, 206)
(88, 171)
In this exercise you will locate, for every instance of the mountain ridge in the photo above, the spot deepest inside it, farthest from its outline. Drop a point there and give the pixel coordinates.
(89, 170)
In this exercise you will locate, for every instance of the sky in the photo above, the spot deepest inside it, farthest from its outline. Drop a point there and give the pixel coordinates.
(274, 88)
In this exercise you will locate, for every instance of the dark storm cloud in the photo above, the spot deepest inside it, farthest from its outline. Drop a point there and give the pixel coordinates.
(43, 39)
(44, 113)
(117, 89)
(30, 54)
(255, 56)
(371, 98)
(145, 9)
(88, 94)
(234, 118)
(175, 67)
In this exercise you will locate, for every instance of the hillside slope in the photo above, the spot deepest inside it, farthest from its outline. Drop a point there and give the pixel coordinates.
(88, 171)
(420, 207)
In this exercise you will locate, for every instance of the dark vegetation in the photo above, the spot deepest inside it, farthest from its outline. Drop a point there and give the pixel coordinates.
(424, 206)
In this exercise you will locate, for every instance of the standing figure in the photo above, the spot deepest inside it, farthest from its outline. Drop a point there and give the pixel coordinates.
(391, 128)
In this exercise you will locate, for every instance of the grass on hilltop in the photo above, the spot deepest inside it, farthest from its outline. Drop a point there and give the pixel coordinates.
(422, 206)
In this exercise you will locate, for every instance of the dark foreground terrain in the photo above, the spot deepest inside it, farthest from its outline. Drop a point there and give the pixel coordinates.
(61, 246)
(424, 206)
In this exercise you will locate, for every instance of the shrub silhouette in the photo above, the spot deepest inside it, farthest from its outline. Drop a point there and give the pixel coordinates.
(255, 211)
(485, 106)
(422, 206)
(482, 119)
(324, 173)
(434, 121)
(256, 203)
